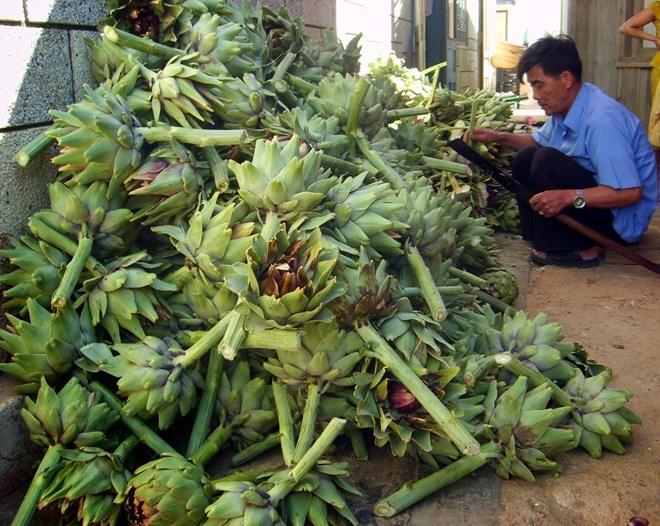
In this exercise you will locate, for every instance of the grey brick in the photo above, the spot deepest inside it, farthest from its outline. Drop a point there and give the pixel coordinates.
(294, 7)
(11, 10)
(23, 191)
(81, 57)
(76, 12)
(36, 66)
(319, 14)
(273, 4)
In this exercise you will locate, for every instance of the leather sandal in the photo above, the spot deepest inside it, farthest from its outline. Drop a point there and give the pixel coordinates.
(568, 259)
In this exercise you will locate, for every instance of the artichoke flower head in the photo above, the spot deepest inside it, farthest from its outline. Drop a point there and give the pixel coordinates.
(288, 279)
(168, 490)
(287, 180)
(154, 19)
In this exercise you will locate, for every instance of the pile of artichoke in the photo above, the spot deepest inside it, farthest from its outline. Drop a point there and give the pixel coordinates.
(252, 247)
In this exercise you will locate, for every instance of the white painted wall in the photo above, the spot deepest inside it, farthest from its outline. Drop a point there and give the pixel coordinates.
(386, 25)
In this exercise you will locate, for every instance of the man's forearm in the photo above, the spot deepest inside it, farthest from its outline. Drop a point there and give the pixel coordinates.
(515, 141)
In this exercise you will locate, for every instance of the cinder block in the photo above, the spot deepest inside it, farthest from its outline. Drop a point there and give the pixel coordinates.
(73, 12)
(402, 9)
(294, 7)
(319, 14)
(23, 191)
(36, 75)
(11, 10)
(18, 453)
(402, 32)
(81, 59)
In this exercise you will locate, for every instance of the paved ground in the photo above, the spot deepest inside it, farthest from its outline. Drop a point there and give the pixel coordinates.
(614, 312)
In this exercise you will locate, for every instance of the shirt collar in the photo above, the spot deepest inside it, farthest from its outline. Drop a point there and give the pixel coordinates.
(574, 116)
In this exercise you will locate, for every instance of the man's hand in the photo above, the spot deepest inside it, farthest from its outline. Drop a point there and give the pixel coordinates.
(551, 202)
(484, 135)
(515, 141)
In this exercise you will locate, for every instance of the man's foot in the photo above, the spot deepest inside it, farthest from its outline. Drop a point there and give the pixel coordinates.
(571, 259)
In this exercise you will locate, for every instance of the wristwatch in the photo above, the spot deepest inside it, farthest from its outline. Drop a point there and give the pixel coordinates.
(578, 200)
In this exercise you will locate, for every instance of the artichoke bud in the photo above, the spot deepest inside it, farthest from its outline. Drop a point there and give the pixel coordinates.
(96, 219)
(168, 490)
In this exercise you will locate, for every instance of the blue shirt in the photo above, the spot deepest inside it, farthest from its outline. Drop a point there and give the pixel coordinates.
(607, 139)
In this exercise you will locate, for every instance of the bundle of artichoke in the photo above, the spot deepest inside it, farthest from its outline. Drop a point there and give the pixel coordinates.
(245, 234)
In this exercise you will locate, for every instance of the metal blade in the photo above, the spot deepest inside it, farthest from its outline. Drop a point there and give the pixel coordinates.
(491, 169)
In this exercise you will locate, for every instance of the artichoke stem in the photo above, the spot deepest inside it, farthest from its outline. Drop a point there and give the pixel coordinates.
(426, 283)
(357, 104)
(72, 273)
(308, 460)
(284, 65)
(218, 168)
(434, 81)
(471, 377)
(496, 303)
(392, 176)
(275, 339)
(311, 412)
(210, 339)
(444, 290)
(47, 468)
(516, 367)
(318, 448)
(444, 165)
(254, 450)
(124, 39)
(202, 423)
(146, 435)
(402, 113)
(300, 84)
(358, 444)
(33, 148)
(473, 121)
(341, 165)
(412, 493)
(124, 449)
(212, 445)
(445, 419)
(59, 240)
(234, 335)
(284, 93)
(198, 137)
(285, 420)
(467, 277)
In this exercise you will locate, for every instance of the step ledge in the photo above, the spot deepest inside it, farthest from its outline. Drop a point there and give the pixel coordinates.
(19, 455)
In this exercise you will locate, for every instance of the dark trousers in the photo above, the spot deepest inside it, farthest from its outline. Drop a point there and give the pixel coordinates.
(542, 169)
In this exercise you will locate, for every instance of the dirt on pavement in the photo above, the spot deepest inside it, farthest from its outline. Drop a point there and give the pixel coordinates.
(614, 312)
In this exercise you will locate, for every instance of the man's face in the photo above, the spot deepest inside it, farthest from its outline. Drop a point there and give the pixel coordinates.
(553, 95)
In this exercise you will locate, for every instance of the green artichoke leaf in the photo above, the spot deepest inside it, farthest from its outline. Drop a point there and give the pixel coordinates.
(239, 281)
(273, 309)
(97, 352)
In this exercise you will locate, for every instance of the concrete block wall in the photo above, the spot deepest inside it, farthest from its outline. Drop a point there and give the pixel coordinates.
(44, 63)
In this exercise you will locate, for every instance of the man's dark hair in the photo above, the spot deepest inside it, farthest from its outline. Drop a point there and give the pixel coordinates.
(554, 55)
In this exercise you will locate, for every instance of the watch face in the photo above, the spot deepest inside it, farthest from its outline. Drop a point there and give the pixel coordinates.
(579, 202)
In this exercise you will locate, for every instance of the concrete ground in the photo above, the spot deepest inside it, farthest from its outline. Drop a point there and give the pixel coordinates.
(614, 312)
